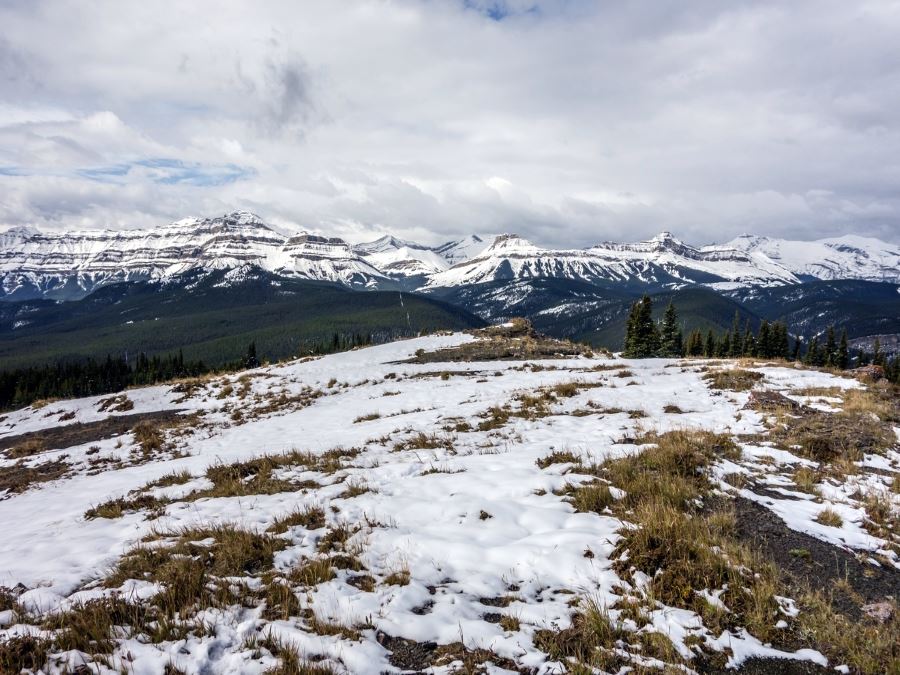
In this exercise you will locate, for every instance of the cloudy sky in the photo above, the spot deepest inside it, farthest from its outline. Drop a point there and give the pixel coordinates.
(567, 121)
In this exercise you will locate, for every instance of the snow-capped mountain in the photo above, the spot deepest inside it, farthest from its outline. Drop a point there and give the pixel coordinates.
(455, 252)
(67, 265)
(661, 260)
(847, 257)
(399, 258)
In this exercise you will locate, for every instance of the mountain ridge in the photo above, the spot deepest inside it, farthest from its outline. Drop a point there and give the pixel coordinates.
(66, 266)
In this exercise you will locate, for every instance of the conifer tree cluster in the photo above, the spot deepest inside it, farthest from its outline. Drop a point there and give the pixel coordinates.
(644, 339)
(770, 341)
(89, 377)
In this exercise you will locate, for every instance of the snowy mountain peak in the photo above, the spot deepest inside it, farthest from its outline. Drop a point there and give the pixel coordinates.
(846, 257)
(386, 243)
(455, 252)
(509, 244)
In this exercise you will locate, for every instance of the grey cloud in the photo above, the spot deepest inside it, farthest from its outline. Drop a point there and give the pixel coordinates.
(569, 121)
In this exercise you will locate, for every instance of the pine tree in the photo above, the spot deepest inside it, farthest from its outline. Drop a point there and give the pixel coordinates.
(843, 353)
(764, 341)
(642, 336)
(734, 341)
(780, 341)
(877, 354)
(749, 345)
(250, 360)
(724, 349)
(670, 335)
(695, 343)
(814, 353)
(630, 346)
(709, 349)
(798, 346)
(830, 357)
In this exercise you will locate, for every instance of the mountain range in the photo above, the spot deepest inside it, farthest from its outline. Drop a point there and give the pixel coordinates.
(67, 266)
(211, 285)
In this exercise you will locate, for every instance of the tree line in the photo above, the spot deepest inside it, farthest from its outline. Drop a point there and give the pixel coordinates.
(92, 377)
(645, 338)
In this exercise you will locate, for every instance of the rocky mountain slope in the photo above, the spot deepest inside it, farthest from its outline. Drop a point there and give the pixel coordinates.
(847, 257)
(69, 265)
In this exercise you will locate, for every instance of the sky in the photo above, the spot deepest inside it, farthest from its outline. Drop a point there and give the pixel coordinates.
(569, 122)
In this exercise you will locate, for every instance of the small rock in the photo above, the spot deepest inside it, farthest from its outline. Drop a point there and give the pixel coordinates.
(880, 611)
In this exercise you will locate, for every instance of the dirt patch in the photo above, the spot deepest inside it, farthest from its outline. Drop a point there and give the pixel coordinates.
(408, 654)
(19, 477)
(810, 562)
(760, 666)
(57, 438)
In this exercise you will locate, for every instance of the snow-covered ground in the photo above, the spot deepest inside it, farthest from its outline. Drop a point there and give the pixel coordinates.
(474, 518)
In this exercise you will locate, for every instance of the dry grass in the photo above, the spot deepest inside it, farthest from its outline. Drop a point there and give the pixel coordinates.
(830, 436)
(864, 401)
(148, 437)
(865, 645)
(120, 403)
(309, 517)
(806, 479)
(423, 441)
(558, 457)
(732, 379)
(291, 663)
(367, 418)
(24, 653)
(500, 343)
(32, 446)
(399, 577)
(20, 476)
(312, 572)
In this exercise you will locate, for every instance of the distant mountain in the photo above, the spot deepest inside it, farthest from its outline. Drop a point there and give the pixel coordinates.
(67, 266)
(661, 261)
(401, 259)
(70, 265)
(847, 257)
(458, 251)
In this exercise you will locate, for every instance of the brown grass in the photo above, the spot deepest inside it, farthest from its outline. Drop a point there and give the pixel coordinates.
(309, 517)
(732, 379)
(558, 457)
(32, 446)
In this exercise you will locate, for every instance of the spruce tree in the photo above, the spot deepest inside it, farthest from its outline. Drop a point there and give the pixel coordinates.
(877, 354)
(843, 353)
(670, 335)
(749, 345)
(830, 356)
(630, 346)
(764, 341)
(250, 360)
(795, 354)
(709, 349)
(734, 342)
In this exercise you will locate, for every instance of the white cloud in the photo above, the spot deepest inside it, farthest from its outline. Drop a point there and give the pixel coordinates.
(568, 121)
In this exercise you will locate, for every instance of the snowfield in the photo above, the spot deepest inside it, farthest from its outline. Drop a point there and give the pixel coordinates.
(463, 513)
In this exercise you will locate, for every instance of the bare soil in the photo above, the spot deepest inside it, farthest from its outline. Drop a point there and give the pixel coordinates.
(66, 436)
